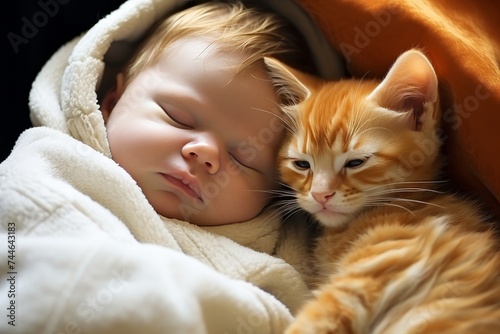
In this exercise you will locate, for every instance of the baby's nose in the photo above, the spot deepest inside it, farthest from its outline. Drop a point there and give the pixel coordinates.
(205, 152)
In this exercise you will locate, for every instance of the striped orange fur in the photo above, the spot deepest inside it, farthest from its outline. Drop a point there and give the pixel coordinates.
(397, 253)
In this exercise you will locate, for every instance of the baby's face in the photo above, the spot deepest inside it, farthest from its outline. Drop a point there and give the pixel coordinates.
(198, 139)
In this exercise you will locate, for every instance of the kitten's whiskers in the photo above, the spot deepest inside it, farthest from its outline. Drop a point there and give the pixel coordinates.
(288, 120)
(410, 201)
(382, 203)
(404, 182)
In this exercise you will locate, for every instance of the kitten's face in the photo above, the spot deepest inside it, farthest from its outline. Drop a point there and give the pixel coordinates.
(354, 144)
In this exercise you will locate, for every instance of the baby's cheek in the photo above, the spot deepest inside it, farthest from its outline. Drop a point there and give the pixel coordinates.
(267, 187)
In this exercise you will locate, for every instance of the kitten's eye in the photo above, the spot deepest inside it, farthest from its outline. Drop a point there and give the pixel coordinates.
(354, 163)
(301, 164)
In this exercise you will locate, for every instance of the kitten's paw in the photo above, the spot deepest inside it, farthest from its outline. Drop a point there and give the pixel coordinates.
(323, 315)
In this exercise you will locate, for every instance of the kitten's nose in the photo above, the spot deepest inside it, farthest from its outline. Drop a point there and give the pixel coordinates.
(322, 197)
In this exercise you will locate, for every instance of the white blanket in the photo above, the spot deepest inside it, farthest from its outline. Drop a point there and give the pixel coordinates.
(88, 254)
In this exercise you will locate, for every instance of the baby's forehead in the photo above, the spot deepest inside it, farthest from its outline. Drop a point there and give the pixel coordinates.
(240, 105)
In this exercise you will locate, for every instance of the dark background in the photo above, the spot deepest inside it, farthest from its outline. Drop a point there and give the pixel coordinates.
(55, 22)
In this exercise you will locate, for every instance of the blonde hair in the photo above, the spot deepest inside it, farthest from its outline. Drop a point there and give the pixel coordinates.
(232, 25)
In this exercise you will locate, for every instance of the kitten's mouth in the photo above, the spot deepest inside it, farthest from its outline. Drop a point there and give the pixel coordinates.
(332, 218)
(331, 212)
(330, 209)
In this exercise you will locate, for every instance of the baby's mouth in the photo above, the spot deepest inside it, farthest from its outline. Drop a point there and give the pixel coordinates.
(187, 186)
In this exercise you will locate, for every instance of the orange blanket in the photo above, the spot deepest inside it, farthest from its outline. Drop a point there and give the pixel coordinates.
(462, 39)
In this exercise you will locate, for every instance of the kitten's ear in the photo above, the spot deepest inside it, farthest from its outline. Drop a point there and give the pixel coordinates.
(293, 86)
(411, 85)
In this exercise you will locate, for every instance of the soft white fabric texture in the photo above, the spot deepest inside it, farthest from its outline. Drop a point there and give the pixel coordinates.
(92, 256)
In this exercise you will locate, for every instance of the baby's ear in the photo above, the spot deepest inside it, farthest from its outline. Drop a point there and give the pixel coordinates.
(292, 86)
(411, 86)
(112, 96)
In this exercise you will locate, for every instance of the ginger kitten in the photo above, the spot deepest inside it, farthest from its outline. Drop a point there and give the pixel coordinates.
(396, 254)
